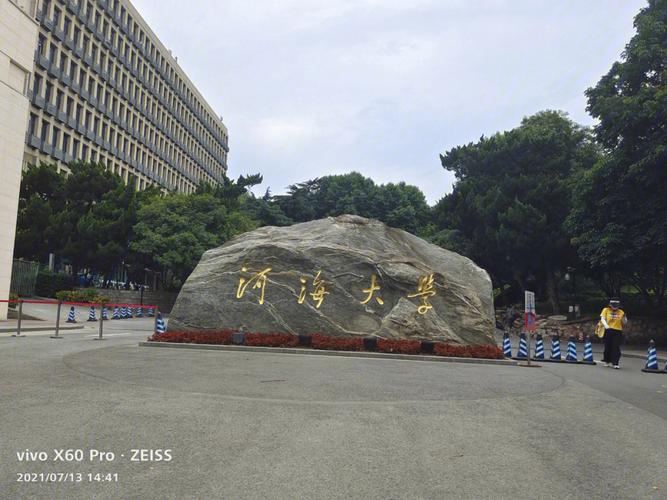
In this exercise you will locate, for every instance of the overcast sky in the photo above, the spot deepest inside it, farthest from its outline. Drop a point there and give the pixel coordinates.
(309, 88)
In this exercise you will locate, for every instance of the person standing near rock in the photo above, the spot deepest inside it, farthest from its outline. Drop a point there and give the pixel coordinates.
(613, 319)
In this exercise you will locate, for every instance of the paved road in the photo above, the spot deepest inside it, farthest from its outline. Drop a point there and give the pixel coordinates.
(249, 425)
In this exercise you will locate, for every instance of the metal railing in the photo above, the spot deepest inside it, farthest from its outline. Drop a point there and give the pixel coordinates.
(24, 277)
(19, 303)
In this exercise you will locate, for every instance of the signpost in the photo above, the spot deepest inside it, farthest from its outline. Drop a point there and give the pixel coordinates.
(529, 317)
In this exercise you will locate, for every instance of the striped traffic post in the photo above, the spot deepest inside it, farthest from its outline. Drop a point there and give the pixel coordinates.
(555, 348)
(652, 365)
(588, 351)
(522, 353)
(571, 350)
(507, 345)
(539, 347)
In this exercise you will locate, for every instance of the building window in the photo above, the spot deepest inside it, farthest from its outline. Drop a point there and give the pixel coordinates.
(65, 143)
(48, 92)
(32, 123)
(55, 134)
(59, 99)
(70, 103)
(37, 84)
(45, 130)
(41, 44)
(52, 53)
(56, 16)
(75, 148)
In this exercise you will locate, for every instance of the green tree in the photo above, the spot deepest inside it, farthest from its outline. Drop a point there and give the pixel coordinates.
(41, 196)
(398, 205)
(511, 197)
(172, 232)
(619, 218)
(79, 223)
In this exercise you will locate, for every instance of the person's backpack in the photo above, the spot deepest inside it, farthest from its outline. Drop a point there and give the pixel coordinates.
(599, 329)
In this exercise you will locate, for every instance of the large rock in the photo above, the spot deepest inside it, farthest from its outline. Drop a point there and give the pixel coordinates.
(346, 251)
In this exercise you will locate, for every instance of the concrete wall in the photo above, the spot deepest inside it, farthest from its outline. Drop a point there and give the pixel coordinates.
(18, 40)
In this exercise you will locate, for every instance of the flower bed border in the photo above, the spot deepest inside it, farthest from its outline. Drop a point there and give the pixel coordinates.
(318, 341)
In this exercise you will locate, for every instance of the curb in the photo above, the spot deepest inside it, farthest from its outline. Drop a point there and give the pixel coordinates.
(641, 356)
(51, 328)
(315, 352)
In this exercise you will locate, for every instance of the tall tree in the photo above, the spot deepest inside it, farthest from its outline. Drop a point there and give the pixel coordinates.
(41, 197)
(511, 198)
(173, 232)
(619, 220)
(399, 205)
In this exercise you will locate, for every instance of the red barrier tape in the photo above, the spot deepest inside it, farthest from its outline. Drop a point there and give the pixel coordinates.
(84, 304)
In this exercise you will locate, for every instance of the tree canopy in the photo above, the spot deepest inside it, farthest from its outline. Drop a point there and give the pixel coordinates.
(512, 196)
(619, 218)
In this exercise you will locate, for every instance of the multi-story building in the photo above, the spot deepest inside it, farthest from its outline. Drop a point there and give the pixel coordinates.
(18, 32)
(87, 80)
(105, 89)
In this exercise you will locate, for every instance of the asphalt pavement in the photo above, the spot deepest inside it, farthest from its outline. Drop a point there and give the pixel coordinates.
(254, 425)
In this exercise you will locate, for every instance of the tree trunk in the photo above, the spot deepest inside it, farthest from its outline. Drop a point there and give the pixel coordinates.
(552, 292)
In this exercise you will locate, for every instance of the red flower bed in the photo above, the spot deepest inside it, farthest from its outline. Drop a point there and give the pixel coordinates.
(271, 339)
(401, 346)
(469, 351)
(219, 337)
(320, 341)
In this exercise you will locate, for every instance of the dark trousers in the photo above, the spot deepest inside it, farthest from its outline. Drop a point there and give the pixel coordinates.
(612, 346)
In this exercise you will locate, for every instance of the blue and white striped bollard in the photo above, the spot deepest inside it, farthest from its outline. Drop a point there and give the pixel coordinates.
(571, 350)
(539, 347)
(555, 348)
(91, 314)
(588, 350)
(116, 313)
(71, 318)
(507, 345)
(522, 353)
(159, 325)
(651, 359)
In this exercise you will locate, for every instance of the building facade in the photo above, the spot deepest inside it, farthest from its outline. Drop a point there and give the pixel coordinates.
(88, 80)
(18, 33)
(105, 89)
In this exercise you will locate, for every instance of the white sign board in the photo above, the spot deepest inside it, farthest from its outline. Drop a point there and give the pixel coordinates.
(530, 317)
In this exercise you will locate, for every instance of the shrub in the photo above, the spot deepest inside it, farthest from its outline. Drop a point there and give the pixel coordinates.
(13, 296)
(401, 346)
(271, 339)
(337, 343)
(486, 351)
(48, 283)
(320, 341)
(222, 337)
(86, 295)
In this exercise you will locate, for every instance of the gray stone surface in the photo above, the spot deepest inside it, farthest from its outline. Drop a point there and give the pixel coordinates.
(346, 251)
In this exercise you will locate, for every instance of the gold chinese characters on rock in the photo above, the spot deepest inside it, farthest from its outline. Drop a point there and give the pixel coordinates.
(319, 289)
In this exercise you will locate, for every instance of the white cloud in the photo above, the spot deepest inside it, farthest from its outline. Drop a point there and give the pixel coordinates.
(310, 87)
(289, 132)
